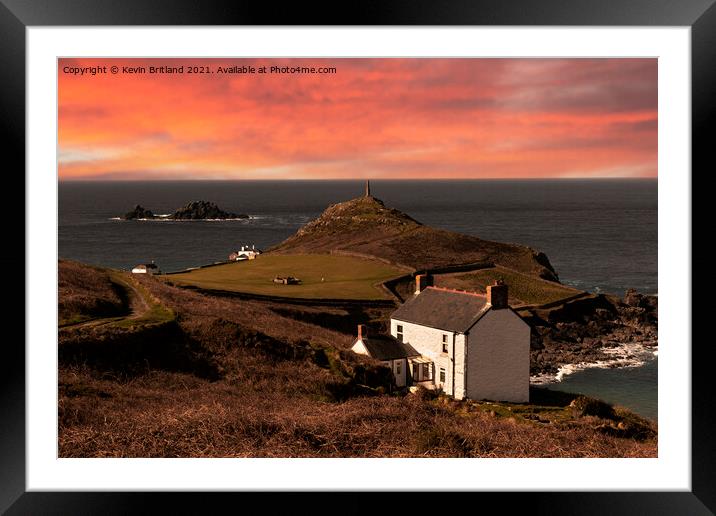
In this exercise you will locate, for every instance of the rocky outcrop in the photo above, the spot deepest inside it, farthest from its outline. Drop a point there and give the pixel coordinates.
(204, 210)
(585, 330)
(635, 299)
(138, 213)
(195, 210)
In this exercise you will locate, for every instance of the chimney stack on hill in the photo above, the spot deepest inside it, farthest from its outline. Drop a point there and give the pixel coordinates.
(497, 294)
(422, 281)
(362, 332)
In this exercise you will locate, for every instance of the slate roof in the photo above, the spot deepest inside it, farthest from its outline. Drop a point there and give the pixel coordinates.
(444, 309)
(387, 347)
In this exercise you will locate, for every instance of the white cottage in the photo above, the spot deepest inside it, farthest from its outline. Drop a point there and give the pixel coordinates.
(470, 345)
(388, 350)
(146, 268)
(245, 253)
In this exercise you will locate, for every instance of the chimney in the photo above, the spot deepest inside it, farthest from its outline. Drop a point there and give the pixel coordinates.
(362, 332)
(422, 281)
(497, 294)
(367, 188)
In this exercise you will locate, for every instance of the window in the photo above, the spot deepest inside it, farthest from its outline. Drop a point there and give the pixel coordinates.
(445, 343)
(399, 332)
(422, 372)
(442, 375)
(398, 368)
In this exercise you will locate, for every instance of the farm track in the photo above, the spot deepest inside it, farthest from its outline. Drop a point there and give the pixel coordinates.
(136, 302)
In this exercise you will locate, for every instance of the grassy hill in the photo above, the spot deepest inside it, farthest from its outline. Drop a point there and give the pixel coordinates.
(86, 292)
(365, 225)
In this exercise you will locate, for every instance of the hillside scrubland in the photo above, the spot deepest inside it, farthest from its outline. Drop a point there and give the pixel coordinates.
(224, 377)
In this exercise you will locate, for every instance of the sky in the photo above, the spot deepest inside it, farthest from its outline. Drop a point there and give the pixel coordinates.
(371, 119)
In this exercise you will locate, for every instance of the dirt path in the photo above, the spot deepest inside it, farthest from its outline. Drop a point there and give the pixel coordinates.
(136, 302)
(138, 305)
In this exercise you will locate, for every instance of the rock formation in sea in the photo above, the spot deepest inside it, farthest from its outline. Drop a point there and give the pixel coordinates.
(204, 210)
(195, 210)
(138, 213)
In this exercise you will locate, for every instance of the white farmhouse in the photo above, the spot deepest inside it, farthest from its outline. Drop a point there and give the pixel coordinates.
(146, 268)
(470, 345)
(245, 253)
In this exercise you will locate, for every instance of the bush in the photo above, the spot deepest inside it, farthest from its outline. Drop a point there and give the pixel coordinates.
(426, 394)
(586, 406)
(439, 440)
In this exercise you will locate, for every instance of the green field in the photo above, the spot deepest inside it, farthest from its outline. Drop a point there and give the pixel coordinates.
(523, 288)
(322, 276)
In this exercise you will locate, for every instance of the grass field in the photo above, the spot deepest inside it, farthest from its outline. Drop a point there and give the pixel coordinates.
(322, 277)
(523, 288)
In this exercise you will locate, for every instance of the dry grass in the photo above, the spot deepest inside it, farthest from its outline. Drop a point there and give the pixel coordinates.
(86, 292)
(232, 378)
(172, 415)
(190, 307)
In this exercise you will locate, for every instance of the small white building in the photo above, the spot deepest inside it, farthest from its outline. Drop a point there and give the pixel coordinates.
(245, 253)
(468, 344)
(146, 268)
(388, 350)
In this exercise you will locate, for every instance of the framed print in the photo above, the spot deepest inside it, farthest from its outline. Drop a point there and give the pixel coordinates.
(413, 249)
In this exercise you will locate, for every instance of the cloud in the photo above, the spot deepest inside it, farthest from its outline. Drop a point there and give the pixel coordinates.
(374, 117)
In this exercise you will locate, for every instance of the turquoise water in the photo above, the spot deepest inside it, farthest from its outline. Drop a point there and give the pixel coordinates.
(632, 387)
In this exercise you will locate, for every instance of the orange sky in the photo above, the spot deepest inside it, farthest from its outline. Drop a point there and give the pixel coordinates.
(374, 118)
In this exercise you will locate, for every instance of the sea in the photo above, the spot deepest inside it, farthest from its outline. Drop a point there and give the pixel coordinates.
(600, 234)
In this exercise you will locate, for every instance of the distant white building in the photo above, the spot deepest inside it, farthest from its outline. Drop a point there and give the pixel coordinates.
(146, 268)
(468, 344)
(245, 253)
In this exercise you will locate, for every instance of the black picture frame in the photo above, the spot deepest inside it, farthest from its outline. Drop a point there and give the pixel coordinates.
(17, 15)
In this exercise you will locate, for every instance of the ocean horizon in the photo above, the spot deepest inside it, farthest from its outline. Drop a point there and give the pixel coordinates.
(599, 234)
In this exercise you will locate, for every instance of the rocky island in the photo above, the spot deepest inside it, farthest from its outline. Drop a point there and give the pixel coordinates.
(138, 213)
(195, 210)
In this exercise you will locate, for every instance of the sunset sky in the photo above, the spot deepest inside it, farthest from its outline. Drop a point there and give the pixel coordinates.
(373, 118)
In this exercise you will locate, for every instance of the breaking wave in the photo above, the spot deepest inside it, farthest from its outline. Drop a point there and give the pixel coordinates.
(631, 354)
